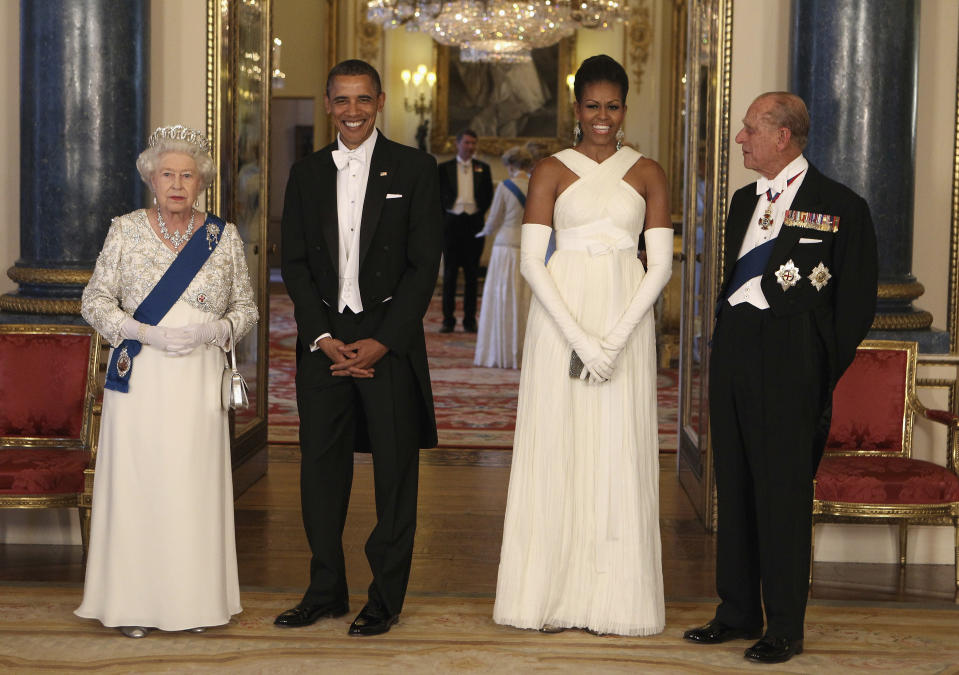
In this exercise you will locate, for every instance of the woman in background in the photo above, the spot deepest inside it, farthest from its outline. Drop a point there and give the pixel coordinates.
(505, 302)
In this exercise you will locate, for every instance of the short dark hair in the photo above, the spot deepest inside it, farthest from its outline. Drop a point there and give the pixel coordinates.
(600, 68)
(466, 132)
(354, 67)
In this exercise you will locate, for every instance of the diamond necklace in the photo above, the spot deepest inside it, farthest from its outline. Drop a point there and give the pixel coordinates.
(176, 239)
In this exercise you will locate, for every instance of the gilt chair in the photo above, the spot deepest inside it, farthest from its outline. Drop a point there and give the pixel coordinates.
(868, 473)
(48, 425)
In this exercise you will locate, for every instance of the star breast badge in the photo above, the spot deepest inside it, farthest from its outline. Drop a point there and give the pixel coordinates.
(787, 275)
(820, 276)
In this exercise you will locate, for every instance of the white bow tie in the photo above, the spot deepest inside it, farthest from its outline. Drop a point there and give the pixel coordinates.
(342, 157)
(764, 185)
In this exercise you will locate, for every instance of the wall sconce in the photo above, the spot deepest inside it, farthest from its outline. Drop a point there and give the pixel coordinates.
(570, 82)
(278, 78)
(421, 81)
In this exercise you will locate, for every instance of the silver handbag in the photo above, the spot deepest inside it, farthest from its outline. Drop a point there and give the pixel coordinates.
(233, 387)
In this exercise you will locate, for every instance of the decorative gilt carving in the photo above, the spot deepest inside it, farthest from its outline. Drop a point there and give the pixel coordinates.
(24, 305)
(912, 321)
(639, 40)
(40, 275)
(369, 38)
(903, 291)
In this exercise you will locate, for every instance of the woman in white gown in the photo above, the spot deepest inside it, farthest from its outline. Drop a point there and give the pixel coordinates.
(581, 545)
(502, 319)
(162, 549)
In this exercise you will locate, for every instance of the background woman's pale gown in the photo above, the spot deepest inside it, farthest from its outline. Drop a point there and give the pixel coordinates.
(506, 295)
(581, 545)
(162, 548)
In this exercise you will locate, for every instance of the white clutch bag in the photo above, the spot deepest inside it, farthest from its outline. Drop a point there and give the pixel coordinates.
(233, 387)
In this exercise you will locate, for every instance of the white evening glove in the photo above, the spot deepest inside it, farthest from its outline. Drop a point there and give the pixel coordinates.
(187, 338)
(131, 329)
(535, 239)
(659, 267)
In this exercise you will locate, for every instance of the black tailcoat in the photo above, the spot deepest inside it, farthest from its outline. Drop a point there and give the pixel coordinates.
(772, 373)
(391, 414)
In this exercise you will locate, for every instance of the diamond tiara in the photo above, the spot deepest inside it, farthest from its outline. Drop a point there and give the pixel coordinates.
(178, 132)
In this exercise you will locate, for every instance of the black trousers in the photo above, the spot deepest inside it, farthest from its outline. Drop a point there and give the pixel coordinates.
(461, 249)
(337, 416)
(767, 395)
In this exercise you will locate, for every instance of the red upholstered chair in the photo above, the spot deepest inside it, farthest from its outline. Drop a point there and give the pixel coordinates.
(48, 380)
(868, 474)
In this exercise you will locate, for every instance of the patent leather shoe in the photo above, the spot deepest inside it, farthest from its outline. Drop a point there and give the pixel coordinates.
(716, 632)
(372, 621)
(773, 650)
(469, 326)
(304, 615)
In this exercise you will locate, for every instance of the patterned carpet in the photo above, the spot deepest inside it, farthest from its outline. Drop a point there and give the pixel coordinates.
(39, 633)
(475, 407)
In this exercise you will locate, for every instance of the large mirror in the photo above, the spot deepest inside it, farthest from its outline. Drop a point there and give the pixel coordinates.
(238, 106)
(704, 211)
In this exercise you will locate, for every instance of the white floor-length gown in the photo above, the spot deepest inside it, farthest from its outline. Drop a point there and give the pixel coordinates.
(506, 295)
(581, 545)
(162, 549)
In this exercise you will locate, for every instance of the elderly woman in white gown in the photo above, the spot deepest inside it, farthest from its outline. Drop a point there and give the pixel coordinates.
(170, 290)
(506, 295)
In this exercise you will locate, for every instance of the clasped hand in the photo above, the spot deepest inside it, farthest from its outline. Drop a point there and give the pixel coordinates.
(178, 341)
(355, 359)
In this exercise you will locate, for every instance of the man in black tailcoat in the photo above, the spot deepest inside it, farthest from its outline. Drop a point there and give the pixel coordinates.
(466, 190)
(361, 230)
(798, 296)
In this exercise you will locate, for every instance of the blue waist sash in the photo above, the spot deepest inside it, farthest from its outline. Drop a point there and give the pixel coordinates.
(163, 296)
(750, 265)
(514, 188)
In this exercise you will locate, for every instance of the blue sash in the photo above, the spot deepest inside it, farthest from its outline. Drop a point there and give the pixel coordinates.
(514, 188)
(163, 296)
(750, 265)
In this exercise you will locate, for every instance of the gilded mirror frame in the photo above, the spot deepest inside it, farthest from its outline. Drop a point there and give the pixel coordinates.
(239, 39)
(953, 287)
(708, 80)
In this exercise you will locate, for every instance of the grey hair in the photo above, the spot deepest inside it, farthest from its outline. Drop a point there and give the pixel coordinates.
(789, 111)
(518, 158)
(149, 159)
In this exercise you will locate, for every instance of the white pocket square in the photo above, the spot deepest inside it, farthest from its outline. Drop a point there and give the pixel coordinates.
(808, 240)
(390, 195)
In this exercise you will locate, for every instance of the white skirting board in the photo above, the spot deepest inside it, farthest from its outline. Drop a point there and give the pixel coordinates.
(40, 526)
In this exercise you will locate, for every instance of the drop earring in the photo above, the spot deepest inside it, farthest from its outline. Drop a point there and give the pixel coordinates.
(577, 134)
(620, 135)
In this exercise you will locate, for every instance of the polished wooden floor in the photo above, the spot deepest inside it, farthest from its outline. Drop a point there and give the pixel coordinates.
(462, 499)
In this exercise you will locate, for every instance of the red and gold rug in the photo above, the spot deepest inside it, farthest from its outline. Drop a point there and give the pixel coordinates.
(475, 407)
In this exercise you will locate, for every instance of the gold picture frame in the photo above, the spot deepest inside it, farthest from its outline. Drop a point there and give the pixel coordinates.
(553, 125)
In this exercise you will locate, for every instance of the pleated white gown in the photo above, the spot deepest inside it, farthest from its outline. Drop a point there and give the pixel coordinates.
(581, 544)
(162, 547)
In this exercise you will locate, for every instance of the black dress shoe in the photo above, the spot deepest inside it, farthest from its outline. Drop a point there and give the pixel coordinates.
(446, 328)
(716, 631)
(372, 621)
(469, 326)
(304, 615)
(773, 650)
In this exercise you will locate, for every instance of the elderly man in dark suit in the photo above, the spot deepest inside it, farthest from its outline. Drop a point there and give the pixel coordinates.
(361, 230)
(466, 190)
(798, 296)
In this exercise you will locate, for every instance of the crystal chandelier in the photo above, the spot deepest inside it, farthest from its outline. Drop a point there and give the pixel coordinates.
(496, 30)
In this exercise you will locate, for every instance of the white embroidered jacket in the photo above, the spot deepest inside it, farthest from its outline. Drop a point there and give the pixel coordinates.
(133, 259)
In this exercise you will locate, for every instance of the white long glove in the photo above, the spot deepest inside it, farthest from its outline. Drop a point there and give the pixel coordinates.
(659, 266)
(189, 337)
(535, 239)
(131, 329)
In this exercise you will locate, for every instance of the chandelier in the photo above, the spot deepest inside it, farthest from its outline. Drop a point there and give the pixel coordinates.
(503, 31)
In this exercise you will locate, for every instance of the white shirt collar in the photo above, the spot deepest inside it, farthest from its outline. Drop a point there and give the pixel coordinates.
(464, 162)
(367, 145)
(778, 183)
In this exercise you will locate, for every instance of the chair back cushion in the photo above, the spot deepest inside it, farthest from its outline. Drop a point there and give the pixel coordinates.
(43, 377)
(869, 411)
